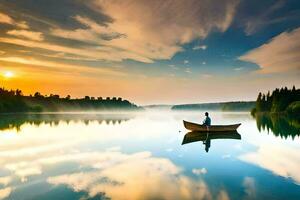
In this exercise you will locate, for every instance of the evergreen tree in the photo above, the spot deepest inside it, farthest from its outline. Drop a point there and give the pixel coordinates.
(278, 101)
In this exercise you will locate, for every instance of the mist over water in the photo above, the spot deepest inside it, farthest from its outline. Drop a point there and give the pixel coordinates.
(139, 155)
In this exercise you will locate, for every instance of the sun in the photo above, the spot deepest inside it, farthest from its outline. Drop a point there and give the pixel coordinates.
(8, 74)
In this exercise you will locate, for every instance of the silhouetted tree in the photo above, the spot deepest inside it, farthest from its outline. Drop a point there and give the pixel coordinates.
(14, 101)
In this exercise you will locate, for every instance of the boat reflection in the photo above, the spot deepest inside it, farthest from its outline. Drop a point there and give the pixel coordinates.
(206, 137)
(15, 121)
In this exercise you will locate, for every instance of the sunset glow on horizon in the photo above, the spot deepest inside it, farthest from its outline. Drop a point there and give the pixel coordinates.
(8, 74)
(150, 52)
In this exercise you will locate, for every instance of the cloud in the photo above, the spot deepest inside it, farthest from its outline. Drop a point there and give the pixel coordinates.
(186, 62)
(5, 192)
(174, 67)
(100, 171)
(5, 19)
(92, 52)
(37, 36)
(62, 67)
(146, 31)
(280, 54)
(24, 170)
(188, 70)
(203, 47)
(5, 180)
(96, 53)
(283, 160)
(199, 171)
(223, 195)
(249, 185)
(264, 17)
(238, 68)
(154, 172)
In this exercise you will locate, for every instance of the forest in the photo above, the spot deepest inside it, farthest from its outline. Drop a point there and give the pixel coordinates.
(223, 106)
(281, 100)
(14, 101)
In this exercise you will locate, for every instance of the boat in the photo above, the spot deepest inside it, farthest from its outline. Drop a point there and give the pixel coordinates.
(214, 128)
(196, 136)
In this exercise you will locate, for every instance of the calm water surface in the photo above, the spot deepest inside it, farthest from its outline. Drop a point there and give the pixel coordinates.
(141, 156)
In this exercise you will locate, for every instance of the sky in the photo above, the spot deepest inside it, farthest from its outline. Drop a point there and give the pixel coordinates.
(150, 52)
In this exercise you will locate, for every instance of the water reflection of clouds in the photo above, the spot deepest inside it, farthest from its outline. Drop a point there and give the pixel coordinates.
(199, 171)
(280, 159)
(249, 185)
(135, 176)
(109, 159)
(109, 171)
(118, 176)
(5, 192)
(279, 156)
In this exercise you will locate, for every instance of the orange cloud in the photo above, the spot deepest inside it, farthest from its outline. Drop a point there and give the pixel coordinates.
(146, 31)
(5, 19)
(72, 69)
(281, 54)
(37, 36)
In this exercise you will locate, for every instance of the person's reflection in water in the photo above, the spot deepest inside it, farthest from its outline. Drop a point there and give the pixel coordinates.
(207, 143)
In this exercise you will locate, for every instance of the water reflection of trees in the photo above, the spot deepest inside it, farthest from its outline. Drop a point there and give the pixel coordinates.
(13, 121)
(280, 125)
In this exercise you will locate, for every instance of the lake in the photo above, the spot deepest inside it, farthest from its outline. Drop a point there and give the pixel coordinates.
(140, 156)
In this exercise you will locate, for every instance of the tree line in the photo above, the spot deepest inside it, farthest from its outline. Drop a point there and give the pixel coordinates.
(15, 101)
(222, 106)
(280, 100)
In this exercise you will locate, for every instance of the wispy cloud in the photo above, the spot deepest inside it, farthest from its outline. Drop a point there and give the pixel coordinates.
(174, 67)
(132, 35)
(280, 54)
(285, 164)
(5, 180)
(91, 52)
(188, 70)
(137, 166)
(249, 185)
(262, 18)
(223, 195)
(199, 171)
(186, 62)
(206, 75)
(37, 36)
(62, 67)
(5, 192)
(238, 68)
(6, 19)
(203, 47)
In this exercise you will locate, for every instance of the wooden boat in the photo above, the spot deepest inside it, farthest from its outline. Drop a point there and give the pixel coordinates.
(214, 128)
(196, 136)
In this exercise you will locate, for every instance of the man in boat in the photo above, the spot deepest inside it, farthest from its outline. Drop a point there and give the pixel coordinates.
(207, 120)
